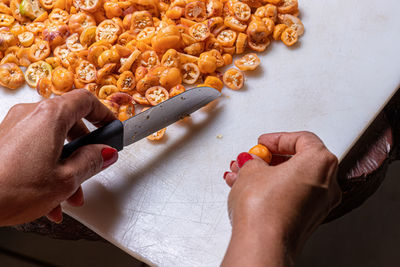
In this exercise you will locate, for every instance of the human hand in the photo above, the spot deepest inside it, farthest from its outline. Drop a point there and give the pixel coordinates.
(274, 209)
(33, 179)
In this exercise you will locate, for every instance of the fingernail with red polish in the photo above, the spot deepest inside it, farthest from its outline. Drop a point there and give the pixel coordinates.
(225, 174)
(243, 158)
(231, 163)
(110, 156)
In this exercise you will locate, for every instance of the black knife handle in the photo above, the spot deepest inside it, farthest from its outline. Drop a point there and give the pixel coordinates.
(111, 134)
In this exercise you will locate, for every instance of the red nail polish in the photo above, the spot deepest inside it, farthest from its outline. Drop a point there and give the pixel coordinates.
(225, 174)
(230, 166)
(243, 158)
(110, 156)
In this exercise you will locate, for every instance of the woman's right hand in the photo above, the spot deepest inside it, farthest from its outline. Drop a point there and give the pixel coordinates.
(33, 179)
(274, 209)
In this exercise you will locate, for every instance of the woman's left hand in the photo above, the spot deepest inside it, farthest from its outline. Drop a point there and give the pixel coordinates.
(275, 208)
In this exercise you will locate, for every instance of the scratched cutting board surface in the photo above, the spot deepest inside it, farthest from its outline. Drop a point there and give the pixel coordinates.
(166, 203)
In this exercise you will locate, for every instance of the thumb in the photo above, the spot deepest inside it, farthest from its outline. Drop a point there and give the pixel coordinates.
(88, 161)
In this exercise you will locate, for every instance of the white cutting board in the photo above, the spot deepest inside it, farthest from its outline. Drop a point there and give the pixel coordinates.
(166, 203)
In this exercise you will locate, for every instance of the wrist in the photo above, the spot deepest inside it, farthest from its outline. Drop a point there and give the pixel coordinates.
(254, 220)
(266, 234)
(252, 216)
(258, 243)
(6, 201)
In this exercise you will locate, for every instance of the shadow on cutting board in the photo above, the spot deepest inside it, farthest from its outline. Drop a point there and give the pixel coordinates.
(173, 149)
(100, 194)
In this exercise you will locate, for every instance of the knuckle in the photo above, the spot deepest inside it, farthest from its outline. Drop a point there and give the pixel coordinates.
(46, 107)
(311, 139)
(67, 181)
(54, 110)
(84, 93)
(86, 98)
(261, 137)
(330, 158)
(20, 109)
(61, 102)
(92, 165)
(16, 108)
(305, 133)
(49, 111)
(310, 136)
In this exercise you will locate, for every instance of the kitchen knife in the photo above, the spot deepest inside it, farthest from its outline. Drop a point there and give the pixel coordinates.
(118, 134)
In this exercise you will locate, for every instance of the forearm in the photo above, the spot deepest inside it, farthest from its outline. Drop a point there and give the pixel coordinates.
(250, 246)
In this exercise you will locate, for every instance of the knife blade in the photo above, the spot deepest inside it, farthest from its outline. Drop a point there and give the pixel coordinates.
(118, 134)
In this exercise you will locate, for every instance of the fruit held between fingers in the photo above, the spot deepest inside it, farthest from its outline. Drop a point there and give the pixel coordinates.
(262, 152)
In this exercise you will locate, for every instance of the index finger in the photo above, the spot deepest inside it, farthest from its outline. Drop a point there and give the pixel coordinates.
(79, 104)
(284, 143)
